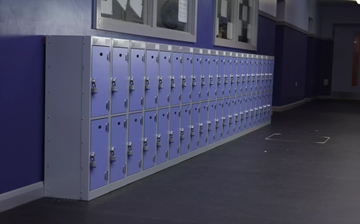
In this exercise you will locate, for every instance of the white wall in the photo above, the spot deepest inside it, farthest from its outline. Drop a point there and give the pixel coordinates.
(268, 6)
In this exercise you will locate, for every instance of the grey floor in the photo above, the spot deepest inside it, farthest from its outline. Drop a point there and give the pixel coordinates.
(291, 179)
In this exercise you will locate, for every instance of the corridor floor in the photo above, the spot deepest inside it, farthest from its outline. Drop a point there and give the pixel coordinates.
(290, 178)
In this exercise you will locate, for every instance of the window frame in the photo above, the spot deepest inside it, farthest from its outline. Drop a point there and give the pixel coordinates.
(151, 29)
(235, 14)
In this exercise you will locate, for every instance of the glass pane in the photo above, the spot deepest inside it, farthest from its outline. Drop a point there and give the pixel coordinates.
(246, 11)
(224, 21)
(173, 14)
(125, 10)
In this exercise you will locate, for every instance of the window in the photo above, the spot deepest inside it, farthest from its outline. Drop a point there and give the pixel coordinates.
(168, 19)
(236, 23)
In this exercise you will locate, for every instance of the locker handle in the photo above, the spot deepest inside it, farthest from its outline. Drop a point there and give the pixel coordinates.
(107, 105)
(142, 101)
(107, 127)
(125, 103)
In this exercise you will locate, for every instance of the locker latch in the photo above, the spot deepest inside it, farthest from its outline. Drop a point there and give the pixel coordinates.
(92, 160)
(260, 110)
(182, 134)
(269, 108)
(256, 111)
(94, 89)
(247, 114)
(249, 78)
(171, 137)
(193, 80)
(172, 80)
(183, 81)
(258, 77)
(262, 77)
(225, 79)
(201, 126)
(270, 76)
(232, 80)
(192, 130)
(209, 125)
(211, 80)
(253, 78)
(264, 109)
(112, 154)
(202, 80)
(252, 113)
(242, 116)
(223, 121)
(158, 140)
(145, 144)
(160, 82)
(238, 79)
(113, 85)
(243, 78)
(132, 84)
(236, 118)
(218, 79)
(147, 83)
(129, 149)
(216, 123)
(230, 119)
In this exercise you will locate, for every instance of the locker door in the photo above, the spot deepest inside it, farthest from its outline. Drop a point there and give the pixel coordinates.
(254, 108)
(253, 75)
(227, 77)
(262, 75)
(174, 134)
(195, 79)
(185, 130)
(162, 137)
(194, 128)
(134, 144)
(176, 78)
(243, 113)
(98, 154)
(250, 110)
(218, 120)
(100, 81)
(211, 122)
(257, 74)
(226, 119)
(205, 78)
(117, 148)
(238, 113)
(235, 80)
(164, 79)
(151, 79)
(221, 77)
(203, 127)
(232, 118)
(186, 78)
(120, 79)
(149, 141)
(243, 77)
(248, 76)
(267, 75)
(136, 79)
(213, 77)
(272, 63)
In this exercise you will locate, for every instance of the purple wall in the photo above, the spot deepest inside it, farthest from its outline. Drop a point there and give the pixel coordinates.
(22, 74)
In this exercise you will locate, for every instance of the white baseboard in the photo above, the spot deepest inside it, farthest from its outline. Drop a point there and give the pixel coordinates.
(21, 196)
(288, 106)
(307, 100)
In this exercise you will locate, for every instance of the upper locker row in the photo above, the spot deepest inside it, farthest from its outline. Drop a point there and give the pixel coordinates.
(131, 76)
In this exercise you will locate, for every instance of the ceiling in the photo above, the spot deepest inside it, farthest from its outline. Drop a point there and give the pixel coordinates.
(337, 2)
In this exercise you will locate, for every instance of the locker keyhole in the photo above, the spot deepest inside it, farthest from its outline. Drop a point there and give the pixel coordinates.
(99, 127)
(118, 123)
(101, 54)
(120, 55)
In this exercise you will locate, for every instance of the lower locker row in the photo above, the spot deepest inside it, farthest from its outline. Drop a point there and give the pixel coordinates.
(142, 140)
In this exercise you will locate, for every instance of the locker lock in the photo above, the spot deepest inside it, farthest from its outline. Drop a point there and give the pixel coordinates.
(238, 80)
(129, 149)
(211, 80)
(256, 111)
(171, 137)
(230, 119)
(258, 77)
(218, 79)
(202, 80)
(216, 123)
(247, 114)
(209, 125)
(183, 81)
(253, 78)
(270, 76)
(182, 134)
(242, 116)
(92, 160)
(260, 110)
(249, 79)
(132, 84)
(223, 121)
(232, 80)
(243, 78)
(192, 130)
(147, 83)
(201, 126)
(145, 144)
(225, 79)
(193, 80)
(113, 85)
(269, 108)
(94, 89)
(160, 82)
(236, 118)
(158, 140)
(112, 154)
(252, 113)
(172, 80)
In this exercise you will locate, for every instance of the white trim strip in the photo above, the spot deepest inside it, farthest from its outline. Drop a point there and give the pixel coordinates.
(288, 106)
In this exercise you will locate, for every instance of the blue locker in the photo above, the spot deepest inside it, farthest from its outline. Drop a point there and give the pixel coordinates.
(226, 119)
(244, 113)
(227, 77)
(272, 64)
(151, 79)
(254, 108)
(205, 94)
(258, 74)
(213, 77)
(99, 154)
(232, 116)
(185, 130)
(196, 78)
(100, 81)
(221, 77)
(117, 148)
(218, 120)
(134, 144)
(162, 137)
(253, 75)
(186, 78)
(176, 78)
(136, 79)
(211, 123)
(203, 127)
(120, 80)
(149, 141)
(250, 110)
(267, 73)
(164, 79)
(234, 79)
(248, 76)
(174, 133)
(238, 115)
(194, 128)
(242, 73)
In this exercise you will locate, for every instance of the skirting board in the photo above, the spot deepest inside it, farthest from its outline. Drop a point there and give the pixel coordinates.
(288, 106)
(21, 196)
(317, 98)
